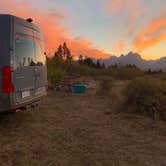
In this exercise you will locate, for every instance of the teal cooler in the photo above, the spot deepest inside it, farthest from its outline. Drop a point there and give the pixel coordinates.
(79, 88)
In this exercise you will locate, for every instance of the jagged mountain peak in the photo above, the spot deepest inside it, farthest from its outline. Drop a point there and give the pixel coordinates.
(136, 59)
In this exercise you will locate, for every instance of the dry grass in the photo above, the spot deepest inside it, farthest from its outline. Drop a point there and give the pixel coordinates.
(73, 130)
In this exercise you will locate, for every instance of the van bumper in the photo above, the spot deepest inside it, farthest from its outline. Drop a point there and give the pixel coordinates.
(28, 102)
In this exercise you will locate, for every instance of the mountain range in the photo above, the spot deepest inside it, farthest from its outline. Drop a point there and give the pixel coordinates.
(136, 59)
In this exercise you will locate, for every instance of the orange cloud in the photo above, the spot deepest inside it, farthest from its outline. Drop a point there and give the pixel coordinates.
(116, 6)
(119, 46)
(153, 34)
(50, 23)
(135, 10)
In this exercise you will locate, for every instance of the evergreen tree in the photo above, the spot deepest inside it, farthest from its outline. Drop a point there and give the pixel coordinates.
(88, 61)
(80, 59)
(98, 64)
(103, 65)
(68, 55)
(160, 71)
(66, 52)
(59, 52)
(149, 71)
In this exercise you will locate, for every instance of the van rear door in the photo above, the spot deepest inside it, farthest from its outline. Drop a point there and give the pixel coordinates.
(24, 72)
(40, 68)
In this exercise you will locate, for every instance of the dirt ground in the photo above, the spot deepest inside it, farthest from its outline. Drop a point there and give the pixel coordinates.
(80, 130)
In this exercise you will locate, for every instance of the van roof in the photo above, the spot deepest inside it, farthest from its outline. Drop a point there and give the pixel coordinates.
(22, 21)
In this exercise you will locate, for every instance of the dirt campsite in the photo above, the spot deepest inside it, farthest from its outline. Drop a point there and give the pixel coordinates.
(80, 129)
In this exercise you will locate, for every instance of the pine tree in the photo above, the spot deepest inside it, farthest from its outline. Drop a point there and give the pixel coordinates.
(66, 52)
(98, 64)
(88, 61)
(80, 59)
(60, 51)
(68, 55)
(103, 65)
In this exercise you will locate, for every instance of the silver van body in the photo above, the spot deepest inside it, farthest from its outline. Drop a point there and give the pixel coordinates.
(23, 74)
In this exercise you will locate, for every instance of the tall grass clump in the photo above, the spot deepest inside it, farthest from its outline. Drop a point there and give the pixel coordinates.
(55, 73)
(147, 95)
(127, 72)
(106, 83)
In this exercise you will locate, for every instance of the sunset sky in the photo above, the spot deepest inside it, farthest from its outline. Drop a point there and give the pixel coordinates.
(98, 28)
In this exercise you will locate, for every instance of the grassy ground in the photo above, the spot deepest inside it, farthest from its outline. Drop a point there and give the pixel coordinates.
(80, 130)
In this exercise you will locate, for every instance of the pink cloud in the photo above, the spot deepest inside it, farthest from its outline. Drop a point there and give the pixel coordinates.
(53, 31)
(153, 34)
(116, 6)
(119, 46)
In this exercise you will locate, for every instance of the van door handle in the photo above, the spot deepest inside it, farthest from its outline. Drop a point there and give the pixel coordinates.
(37, 73)
(36, 69)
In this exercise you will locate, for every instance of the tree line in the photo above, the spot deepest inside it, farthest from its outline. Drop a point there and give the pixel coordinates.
(64, 53)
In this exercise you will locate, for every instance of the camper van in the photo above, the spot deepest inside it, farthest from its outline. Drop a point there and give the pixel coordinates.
(23, 75)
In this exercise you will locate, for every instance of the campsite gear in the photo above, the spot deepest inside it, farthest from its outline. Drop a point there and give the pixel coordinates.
(79, 88)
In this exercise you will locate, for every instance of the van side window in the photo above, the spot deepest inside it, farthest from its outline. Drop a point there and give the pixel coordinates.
(24, 50)
(39, 52)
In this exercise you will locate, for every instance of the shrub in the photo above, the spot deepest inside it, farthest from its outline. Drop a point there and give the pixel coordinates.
(147, 95)
(124, 73)
(55, 75)
(106, 83)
